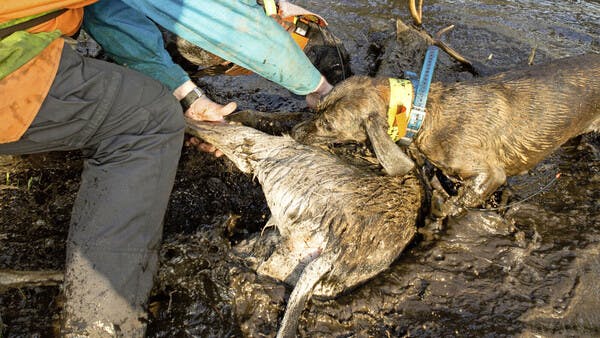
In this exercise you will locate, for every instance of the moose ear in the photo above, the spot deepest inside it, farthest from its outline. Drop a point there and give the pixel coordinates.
(392, 158)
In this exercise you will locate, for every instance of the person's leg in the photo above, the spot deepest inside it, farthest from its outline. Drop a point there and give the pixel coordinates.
(131, 131)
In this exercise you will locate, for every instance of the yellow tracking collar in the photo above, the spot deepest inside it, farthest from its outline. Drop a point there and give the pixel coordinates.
(401, 98)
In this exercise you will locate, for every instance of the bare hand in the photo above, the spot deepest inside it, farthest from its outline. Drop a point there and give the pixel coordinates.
(203, 146)
(313, 99)
(204, 109)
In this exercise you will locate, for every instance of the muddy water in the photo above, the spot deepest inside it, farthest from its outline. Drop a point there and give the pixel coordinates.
(527, 270)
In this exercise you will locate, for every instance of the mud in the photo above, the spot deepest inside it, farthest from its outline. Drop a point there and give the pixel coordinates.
(527, 270)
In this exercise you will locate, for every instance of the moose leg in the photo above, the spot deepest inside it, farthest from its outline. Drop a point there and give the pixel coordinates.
(311, 275)
(475, 191)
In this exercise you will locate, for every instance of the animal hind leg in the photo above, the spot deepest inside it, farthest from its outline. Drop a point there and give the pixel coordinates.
(286, 265)
(311, 275)
(281, 265)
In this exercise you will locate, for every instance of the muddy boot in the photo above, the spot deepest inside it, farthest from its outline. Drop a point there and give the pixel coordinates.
(95, 304)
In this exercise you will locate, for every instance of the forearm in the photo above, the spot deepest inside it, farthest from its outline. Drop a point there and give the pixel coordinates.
(184, 89)
(132, 40)
(238, 31)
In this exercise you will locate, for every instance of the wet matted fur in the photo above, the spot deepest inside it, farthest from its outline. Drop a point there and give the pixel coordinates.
(339, 225)
(479, 131)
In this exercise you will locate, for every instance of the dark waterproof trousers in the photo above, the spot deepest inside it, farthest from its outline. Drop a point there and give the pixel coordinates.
(130, 129)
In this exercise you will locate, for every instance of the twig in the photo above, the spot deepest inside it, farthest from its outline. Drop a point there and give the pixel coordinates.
(532, 55)
(13, 278)
(417, 14)
(437, 41)
(170, 300)
(449, 50)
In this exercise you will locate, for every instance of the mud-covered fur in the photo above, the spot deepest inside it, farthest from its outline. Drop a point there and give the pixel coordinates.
(339, 225)
(480, 131)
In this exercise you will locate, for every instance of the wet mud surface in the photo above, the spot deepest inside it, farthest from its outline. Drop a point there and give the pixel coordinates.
(527, 270)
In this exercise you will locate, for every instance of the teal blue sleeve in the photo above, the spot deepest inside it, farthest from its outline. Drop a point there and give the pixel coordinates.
(238, 31)
(132, 40)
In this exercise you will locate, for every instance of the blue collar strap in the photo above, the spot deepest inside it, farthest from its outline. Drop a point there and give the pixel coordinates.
(417, 112)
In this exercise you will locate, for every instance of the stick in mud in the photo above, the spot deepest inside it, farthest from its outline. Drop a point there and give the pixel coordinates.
(15, 279)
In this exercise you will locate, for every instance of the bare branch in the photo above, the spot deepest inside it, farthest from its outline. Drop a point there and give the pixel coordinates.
(438, 35)
(417, 14)
(453, 53)
(437, 41)
(15, 279)
(532, 55)
(449, 50)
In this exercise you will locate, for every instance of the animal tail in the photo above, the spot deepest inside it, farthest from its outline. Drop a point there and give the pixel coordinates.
(311, 275)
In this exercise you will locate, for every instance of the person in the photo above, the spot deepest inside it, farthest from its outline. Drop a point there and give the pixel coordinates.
(128, 125)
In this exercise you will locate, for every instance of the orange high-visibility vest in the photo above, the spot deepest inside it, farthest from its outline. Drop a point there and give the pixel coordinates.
(23, 91)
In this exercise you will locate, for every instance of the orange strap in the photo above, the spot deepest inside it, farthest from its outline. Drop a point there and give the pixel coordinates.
(21, 26)
(23, 8)
(290, 24)
(68, 23)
